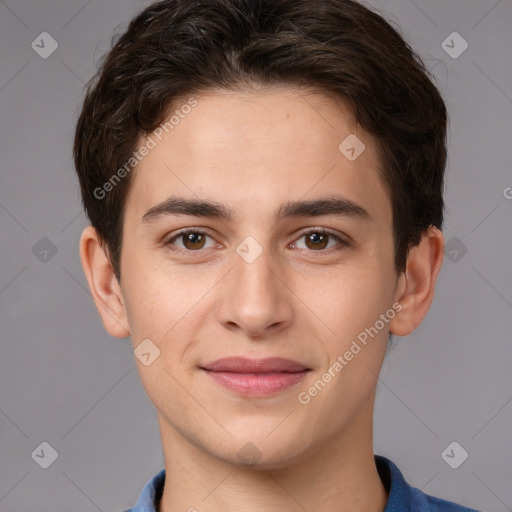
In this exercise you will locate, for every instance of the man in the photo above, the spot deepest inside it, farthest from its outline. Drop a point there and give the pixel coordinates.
(264, 183)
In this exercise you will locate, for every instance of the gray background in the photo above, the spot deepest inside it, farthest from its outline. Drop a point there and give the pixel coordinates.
(65, 381)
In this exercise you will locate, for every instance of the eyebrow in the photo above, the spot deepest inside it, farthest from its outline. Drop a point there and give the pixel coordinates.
(332, 205)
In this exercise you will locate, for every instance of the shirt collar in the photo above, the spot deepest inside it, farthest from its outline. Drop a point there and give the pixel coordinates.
(150, 494)
(401, 494)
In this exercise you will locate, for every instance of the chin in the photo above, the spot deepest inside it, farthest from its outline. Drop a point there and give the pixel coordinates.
(258, 452)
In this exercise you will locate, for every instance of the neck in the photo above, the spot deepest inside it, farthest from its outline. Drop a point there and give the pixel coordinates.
(337, 473)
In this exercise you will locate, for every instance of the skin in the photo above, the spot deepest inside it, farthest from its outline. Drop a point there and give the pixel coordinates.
(253, 151)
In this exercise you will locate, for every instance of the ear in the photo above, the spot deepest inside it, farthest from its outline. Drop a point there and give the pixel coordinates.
(105, 289)
(416, 285)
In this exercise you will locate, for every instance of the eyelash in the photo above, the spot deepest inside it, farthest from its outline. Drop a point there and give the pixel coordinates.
(189, 252)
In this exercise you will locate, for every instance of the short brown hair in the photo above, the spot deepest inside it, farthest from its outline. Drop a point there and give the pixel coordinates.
(175, 48)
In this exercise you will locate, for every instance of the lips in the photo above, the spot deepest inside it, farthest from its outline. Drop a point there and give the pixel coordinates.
(245, 365)
(256, 377)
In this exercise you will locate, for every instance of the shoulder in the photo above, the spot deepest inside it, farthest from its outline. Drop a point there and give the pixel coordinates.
(404, 498)
(428, 503)
(151, 494)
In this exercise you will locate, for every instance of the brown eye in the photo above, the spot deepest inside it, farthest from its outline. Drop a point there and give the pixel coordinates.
(317, 240)
(190, 240)
(193, 240)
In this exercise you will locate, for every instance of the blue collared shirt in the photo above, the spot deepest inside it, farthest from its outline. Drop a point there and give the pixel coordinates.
(402, 497)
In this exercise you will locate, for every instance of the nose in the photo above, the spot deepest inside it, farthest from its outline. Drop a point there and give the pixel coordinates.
(256, 300)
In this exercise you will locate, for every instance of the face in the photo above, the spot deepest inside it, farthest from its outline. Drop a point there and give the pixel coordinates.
(270, 269)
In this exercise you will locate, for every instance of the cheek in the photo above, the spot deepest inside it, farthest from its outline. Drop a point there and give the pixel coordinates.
(164, 301)
(347, 299)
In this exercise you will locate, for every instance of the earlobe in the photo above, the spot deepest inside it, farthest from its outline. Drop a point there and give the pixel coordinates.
(416, 286)
(105, 289)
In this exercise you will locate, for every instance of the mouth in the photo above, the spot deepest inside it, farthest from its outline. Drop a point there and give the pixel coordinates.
(245, 365)
(256, 377)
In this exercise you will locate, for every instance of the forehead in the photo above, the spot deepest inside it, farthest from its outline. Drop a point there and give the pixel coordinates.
(252, 149)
